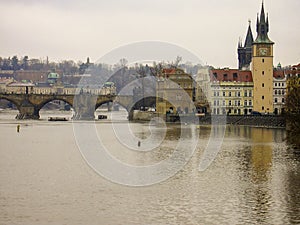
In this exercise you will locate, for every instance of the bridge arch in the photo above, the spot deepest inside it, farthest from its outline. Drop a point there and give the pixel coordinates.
(45, 102)
(110, 101)
(17, 104)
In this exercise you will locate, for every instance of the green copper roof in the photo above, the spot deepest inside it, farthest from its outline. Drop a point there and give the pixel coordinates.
(53, 75)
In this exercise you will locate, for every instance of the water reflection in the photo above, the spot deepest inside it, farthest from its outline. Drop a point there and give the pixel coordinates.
(254, 179)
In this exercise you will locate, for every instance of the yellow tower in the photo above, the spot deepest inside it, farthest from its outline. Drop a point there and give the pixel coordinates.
(262, 66)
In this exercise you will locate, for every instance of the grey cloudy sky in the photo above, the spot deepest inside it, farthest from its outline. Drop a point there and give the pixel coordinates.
(75, 29)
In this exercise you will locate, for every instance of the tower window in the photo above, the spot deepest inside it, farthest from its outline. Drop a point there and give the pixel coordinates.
(263, 60)
(262, 97)
(262, 84)
(263, 72)
(262, 108)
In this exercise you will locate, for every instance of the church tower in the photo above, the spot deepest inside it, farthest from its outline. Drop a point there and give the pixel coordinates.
(245, 52)
(262, 66)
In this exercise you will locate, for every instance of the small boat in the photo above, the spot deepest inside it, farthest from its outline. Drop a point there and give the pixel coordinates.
(101, 117)
(57, 119)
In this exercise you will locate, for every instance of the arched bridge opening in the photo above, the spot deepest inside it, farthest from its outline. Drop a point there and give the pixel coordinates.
(55, 107)
(7, 106)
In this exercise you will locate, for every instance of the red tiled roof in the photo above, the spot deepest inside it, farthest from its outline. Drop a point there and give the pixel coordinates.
(231, 75)
(169, 71)
(278, 73)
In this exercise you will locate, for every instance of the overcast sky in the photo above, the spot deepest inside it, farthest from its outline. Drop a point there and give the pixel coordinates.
(76, 29)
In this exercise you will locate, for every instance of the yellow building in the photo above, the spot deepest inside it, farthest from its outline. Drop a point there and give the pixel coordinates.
(262, 67)
(174, 92)
(232, 92)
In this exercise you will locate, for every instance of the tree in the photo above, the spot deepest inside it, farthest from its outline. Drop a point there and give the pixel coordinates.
(15, 63)
(293, 110)
(24, 65)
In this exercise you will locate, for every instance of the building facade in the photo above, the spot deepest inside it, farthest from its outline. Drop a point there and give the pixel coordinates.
(174, 92)
(232, 92)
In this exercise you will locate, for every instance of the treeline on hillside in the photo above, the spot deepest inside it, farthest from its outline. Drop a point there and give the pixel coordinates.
(71, 67)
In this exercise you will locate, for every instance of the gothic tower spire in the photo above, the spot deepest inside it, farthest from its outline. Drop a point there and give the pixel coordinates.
(262, 27)
(249, 37)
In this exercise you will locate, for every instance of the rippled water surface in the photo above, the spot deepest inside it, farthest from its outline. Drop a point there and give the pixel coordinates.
(255, 178)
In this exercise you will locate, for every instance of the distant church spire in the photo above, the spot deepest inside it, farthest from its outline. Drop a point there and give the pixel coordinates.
(249, 37)
(245, 52)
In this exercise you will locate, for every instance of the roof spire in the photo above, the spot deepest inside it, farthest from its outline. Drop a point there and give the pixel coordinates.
(262, 27)
(249, 37)
(262, 14)
(257, 23)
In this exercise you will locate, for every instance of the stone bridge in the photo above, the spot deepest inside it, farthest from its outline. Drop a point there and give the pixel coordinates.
(83, 104)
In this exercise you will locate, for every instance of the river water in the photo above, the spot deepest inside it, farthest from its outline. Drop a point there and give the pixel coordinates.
(254, 179)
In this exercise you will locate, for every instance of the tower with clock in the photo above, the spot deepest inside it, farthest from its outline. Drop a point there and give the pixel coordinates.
(262, 66)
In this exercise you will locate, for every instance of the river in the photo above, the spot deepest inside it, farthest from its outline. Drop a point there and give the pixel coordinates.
(254, 179)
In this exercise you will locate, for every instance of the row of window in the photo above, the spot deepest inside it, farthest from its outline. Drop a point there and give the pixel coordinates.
(279, 92)
(279, 84)
(276, 100)
(236, 94)
(217, 111)
(233, 103)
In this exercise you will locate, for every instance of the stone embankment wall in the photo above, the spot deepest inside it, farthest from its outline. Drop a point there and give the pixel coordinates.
(249, 120)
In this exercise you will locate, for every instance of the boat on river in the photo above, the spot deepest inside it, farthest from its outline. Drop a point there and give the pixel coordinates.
(57, 118)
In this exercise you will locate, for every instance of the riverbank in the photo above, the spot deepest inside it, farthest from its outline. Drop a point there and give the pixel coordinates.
(249, 120)
(270, 121)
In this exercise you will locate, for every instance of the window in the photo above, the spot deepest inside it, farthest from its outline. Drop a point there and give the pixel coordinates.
(245, 93)
(263, 108)
(263, 72)
(245, 103)
(279, 92)
(250, 93)
(263, 85)
(215, 93)
(263, 60)
(282, 92)
(275, 84)
(215, 103)
(229, 102)
(250, 102)
(276, 100)
(229, 93)
(239, 103)
(235, 75)
(282, 100)
(239, 94)
(262, 97)
(215, 75)
(225, 76)
(223, 102)
(275, 92)
(223, 93)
